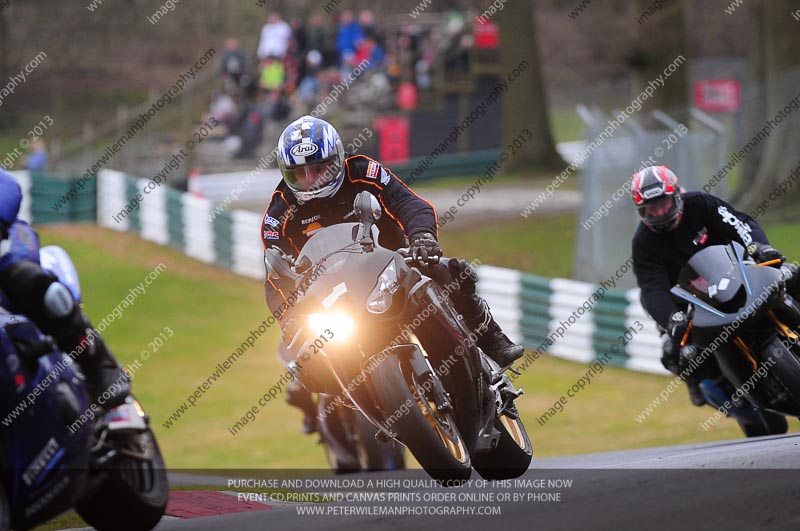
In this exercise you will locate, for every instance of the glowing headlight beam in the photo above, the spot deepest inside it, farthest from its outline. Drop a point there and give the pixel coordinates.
(340, 324)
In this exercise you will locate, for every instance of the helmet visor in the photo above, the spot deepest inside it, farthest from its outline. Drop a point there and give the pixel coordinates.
(310, 177)
(660, 214)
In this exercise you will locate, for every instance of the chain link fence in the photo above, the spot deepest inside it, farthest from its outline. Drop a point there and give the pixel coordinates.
(694, 149)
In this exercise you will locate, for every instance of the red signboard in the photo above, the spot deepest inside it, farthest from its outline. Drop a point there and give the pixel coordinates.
(394, 133)
(718, 95)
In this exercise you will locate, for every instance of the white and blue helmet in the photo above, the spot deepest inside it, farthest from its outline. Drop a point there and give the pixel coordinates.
(311, 158)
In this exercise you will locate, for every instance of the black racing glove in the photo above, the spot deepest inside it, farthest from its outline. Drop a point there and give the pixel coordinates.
(763, 252)
(425, 248)
(677, 326)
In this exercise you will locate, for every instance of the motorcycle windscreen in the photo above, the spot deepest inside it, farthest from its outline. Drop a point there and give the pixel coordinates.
(713, 276)
(336, 243)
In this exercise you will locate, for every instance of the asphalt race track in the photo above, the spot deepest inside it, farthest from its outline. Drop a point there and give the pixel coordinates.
(732, 485)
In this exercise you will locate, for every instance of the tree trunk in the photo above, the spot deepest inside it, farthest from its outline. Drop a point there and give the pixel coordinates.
(525, 104)
(776, 85)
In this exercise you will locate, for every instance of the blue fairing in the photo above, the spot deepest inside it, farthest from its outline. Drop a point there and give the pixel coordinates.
(24, 245)
(10, 197)
(56, 260)
(40, 398)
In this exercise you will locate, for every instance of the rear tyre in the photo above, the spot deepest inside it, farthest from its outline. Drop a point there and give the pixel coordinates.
(130, 495)
(430, 435)
(511, 457)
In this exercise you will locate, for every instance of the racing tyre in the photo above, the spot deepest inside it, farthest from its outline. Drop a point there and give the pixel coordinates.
(131, 494)
(511, 457)
(431, 436)
(771, 424)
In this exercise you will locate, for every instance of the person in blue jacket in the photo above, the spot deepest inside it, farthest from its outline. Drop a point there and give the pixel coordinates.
(31, 291)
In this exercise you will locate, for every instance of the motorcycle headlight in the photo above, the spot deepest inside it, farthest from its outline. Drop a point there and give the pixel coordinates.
(381, 297)
(339, 324)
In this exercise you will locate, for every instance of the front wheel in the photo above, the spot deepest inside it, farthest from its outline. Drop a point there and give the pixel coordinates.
(513, 454)
(432, 436)
(785, 368)
(769, 423)
(131, 493)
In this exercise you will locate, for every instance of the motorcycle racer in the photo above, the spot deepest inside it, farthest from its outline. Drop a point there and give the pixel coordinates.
(674, 226)
(31, 291)
(320, 183)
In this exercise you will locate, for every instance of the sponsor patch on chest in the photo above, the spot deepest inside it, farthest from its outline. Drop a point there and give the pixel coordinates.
(701, 238)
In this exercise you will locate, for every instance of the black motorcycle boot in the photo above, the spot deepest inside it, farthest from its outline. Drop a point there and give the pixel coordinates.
(695, 394)
(299, 397)
(490, 337)
(108, 384)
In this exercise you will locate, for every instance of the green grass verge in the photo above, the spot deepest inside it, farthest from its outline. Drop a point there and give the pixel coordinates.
(566, 125)
(531, 179)
(542, 245)
(69, 520)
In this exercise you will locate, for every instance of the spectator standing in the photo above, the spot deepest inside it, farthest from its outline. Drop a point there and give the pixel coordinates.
(37, 160)
(371, 51)
(348, 38)
(300, 36)
(311, 85)
(317, 33)
(273, 74)
(275, 38)
(234, 63)
(366, 19)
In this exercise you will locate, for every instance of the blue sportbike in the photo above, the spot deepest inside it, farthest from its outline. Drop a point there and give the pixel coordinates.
(57, 450)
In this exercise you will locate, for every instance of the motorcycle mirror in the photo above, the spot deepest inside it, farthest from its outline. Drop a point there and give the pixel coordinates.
(367, 207)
